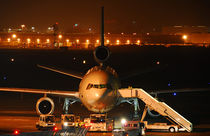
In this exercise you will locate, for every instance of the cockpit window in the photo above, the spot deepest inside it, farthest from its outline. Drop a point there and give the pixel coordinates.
(99, 86)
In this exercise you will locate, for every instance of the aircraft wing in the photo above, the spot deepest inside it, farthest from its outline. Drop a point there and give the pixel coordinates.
(42, 91)
(62, 71)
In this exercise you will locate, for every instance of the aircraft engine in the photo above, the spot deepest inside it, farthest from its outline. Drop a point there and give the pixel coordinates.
(45, 105)
(153, 113)
(101, 54)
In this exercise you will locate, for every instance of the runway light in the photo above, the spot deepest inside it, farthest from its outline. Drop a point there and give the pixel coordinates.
(158, 62)
(12, 59)
(16, 132)
(174, 94)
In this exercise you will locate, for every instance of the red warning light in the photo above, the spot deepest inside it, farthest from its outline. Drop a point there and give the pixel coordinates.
(16, 132)
(55, 129)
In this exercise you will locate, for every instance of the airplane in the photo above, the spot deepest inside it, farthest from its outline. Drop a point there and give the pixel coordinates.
(99, 89)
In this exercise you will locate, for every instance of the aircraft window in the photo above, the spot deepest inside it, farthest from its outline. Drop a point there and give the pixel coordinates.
(102, 86)
(89, 86)
(95, 86)
(99, 86)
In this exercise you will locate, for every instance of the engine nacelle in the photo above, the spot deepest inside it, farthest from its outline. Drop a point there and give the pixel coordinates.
(45, 105)
(101, 54)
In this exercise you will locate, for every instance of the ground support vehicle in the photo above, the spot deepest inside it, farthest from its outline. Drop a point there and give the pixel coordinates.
(162, 127)
(46, 122)
(134, 128)
(68, 121)
(98, 122)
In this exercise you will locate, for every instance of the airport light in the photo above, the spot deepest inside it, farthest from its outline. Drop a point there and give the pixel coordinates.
(118, 42)
(128, 41)
(14, 36)
(97, 41)
(38, 41)
(184, 37)
(18, 40)
(84, 61)
(16, 132)
(48, 40)
(67, 40)
(8, 40)
(77, 41)
(23, 26)
(107, 41)
(28, 40)
(60, 36)
(138, 41)
(55, 129)
(123, 121)
(87, 41)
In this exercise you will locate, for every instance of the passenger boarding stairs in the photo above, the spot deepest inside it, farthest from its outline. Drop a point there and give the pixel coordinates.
(160, 107)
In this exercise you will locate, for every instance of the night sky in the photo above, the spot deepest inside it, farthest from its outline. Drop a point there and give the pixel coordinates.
(120, 15)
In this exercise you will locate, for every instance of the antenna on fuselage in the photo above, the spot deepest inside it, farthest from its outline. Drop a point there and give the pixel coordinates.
(101, 53)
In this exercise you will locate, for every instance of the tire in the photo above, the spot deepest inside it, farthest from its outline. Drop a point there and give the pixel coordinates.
(172, 129)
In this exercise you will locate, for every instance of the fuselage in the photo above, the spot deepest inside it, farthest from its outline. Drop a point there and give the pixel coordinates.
(98, 89)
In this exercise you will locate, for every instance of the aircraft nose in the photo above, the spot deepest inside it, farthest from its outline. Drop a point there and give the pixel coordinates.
(100, 93)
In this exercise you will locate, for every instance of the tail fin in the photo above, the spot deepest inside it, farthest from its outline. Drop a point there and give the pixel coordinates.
(101, 53)
(102, 26)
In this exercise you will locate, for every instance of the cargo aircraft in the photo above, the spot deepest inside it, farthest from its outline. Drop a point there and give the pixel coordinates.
(99, 89)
